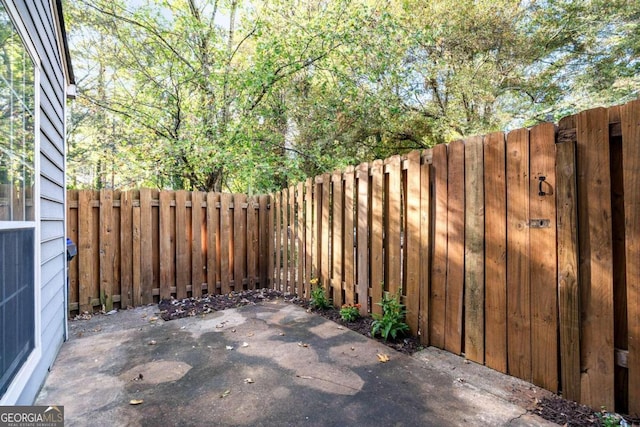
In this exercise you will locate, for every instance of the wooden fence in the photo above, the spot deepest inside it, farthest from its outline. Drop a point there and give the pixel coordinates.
(519, 250)
(135, 247)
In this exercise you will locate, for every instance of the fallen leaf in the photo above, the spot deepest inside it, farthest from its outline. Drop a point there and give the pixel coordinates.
(340, 327)
(245, 344)
(153, 342)
(229, 347)
(353, 348)
(281, 334)
(304, 377)
(219, 326)
(233, 330)
(303, 345)
(153, 319)
(250, 334)
(136, 401)
(383, 358)
(225, 394)
(249, 381)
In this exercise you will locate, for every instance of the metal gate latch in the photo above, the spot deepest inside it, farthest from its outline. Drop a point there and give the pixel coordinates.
(539, 223)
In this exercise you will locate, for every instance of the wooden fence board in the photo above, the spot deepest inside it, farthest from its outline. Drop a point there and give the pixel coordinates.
(337, 239)
(568, 289)
(225, 242)
(377, 260)
(136, 258)
(308, 237)
(393, 258)
(293, 232)
(325, 263)
(278, 244)
(425, 249)
(362, 257)
(106, 249)
(286, 239)
(411, 245)
(146, 247)
(252, 242)
(630, 123)
(72, 233)
(213, 242)
(300, 241)
(183, 261)
(167, 260)
(455, 248)
(542, 258)
(349, 237)
(264, 238)
(518, 277)
(596, 280)
(474, 285)
(239, 241)
(197, 271)
(437, 309)
(85, 251)
(271, 244)
(495, 191)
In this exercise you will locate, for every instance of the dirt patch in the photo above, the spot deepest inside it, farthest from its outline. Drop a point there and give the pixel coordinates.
(554, 408)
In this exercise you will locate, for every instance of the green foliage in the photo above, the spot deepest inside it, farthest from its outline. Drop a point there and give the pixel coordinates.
(391, 323)
(253, 96)
(608, 419)
(319, 298)
(350, 312)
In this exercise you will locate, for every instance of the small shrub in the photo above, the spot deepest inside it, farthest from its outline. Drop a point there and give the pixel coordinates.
(608, 419)
(391, 323)
(350, 312)
(319, 299)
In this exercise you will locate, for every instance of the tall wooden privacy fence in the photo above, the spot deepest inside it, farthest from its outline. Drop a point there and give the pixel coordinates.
(519, 250)
(135, 247)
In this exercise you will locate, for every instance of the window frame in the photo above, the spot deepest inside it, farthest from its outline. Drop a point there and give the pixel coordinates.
(22, 377)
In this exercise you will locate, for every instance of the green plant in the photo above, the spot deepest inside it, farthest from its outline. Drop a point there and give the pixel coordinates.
(319, 299)
(608, 419)
(391, 323)
(350, 312)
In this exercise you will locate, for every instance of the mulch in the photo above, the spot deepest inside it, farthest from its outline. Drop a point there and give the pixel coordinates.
(555, 409)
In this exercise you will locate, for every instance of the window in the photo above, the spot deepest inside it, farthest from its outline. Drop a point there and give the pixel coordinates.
(17, 104)
(17, 201)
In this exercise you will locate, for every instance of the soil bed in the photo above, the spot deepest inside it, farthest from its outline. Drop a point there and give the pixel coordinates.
(554, 409)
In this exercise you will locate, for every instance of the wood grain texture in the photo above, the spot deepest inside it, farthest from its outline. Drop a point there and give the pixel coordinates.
(362, 255)
(85, 251)
(167, 257)
(518, 271)
(377, 260)
(277, 206)
(252, 241)
(271, 235)
(474, 268)
(337, 239)
(146, 247)
(437, 309)
(239, 241)
(106, 249)
(596, 279)
(393, 260)
(543, 257)
(348, 263)
(567, 252)
(136, 258)
(325, 231)
(183, 252)
(411, 245)
(455, 248)
(265, 237)
(300, 246)
(197, 270)
(495, 190)
(225, 242)
(308, 237)
(630, 122)
(213, 242)
(425, 249)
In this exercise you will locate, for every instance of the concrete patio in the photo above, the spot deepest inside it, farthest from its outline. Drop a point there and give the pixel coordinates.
(271, 364)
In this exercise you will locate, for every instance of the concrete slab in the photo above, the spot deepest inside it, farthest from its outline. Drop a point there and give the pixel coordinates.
(266, 365)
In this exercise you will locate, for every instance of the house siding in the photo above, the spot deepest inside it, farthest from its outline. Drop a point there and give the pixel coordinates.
(39, 22)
